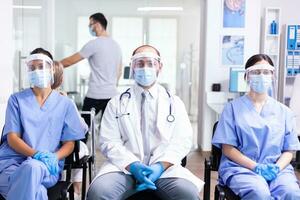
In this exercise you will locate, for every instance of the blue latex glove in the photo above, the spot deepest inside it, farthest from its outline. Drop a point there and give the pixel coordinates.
(157, 169)
(140, 172)
(38, 155)
(273, 169)
(267, 171)
(49, 159)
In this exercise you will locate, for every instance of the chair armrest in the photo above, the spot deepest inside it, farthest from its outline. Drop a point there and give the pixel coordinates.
(207, 176)
(221, 191)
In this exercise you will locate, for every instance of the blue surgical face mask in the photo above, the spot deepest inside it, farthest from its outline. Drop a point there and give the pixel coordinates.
(145, 76)
(93, 33)
(40, 78)
(260, 83)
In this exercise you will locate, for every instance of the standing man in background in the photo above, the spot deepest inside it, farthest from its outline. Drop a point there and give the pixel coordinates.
(105, 59)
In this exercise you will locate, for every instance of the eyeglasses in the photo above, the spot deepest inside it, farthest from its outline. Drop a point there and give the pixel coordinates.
(261, 71)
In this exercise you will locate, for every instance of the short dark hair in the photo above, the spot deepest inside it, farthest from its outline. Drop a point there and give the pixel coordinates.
(42, 51)
(256, 58)
(146, 45)
(99, 17)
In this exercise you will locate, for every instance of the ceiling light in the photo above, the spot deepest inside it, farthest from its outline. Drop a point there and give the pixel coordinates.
(27, 7)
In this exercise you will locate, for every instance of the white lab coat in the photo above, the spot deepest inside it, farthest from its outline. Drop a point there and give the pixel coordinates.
(121, 139)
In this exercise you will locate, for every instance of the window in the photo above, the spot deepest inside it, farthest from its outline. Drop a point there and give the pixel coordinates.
(131, 32)
(163, 36)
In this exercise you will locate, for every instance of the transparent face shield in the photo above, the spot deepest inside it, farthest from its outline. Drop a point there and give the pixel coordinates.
(40, 70)
(144, 59)
(265, 73)
(145, 67)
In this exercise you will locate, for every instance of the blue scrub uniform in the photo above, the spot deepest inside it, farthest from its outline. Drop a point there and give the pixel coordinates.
(43, 129)
(262, 137)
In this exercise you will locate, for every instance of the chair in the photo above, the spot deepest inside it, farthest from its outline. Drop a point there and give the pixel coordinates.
(92, 131)
(212, 164)
(61, 188)
(149, 194)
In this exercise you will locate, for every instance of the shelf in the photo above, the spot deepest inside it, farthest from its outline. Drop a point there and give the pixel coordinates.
(273, 35)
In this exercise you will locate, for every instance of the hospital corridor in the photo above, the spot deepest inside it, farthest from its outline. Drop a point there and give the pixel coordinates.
(149, 100)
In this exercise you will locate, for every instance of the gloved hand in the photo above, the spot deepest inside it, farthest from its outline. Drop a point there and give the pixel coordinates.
(157, 169)
(49, 159)
(273, 169)
(267, 171)
(140, 172)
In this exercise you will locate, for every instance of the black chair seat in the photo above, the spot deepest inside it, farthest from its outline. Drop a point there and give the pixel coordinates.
(144, 195)
(59, 190)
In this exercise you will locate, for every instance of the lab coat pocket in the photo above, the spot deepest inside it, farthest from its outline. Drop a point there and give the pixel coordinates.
(123, 122)
(165, 130)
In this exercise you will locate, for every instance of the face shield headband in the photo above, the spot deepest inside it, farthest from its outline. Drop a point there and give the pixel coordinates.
(260, 66)
(43, 62)
(140, 59)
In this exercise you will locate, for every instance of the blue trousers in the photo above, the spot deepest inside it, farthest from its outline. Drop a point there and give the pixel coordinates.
(27, 181)
(252, 186)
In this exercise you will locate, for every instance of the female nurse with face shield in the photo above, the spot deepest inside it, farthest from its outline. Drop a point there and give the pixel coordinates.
(40, 127)
(257, 137)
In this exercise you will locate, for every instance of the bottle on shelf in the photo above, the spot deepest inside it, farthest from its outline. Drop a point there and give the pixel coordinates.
(273, 28)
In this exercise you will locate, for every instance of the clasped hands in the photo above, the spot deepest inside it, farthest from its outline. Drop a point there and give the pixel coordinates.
(49, 159)
(267, 171)
(146, 175)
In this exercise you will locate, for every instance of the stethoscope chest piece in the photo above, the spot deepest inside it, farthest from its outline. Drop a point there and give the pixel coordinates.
(170, 118)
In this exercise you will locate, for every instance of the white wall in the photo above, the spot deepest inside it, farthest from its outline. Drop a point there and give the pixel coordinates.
(211, 67)
(6, 52)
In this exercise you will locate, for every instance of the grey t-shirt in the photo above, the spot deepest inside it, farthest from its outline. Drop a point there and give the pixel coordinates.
(104, 56)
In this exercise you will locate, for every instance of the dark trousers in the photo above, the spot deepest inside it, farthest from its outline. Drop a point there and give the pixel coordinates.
(98, 104)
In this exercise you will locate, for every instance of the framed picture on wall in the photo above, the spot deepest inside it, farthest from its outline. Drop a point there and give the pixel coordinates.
(232, 50)
(234, 13)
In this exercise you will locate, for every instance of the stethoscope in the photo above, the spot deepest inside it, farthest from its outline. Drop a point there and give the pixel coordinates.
(170, 118)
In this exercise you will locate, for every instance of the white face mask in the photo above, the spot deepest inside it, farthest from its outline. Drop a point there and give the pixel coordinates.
(145, 76)
(40, 78)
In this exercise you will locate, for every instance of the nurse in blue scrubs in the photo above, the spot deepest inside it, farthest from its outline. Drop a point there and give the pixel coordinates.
(257, 136)
(40, 128)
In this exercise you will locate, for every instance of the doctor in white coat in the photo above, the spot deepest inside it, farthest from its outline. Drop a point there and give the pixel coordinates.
(145, 133)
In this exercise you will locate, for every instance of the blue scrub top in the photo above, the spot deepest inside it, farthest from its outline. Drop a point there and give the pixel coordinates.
(42, 128)
(262, 137)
